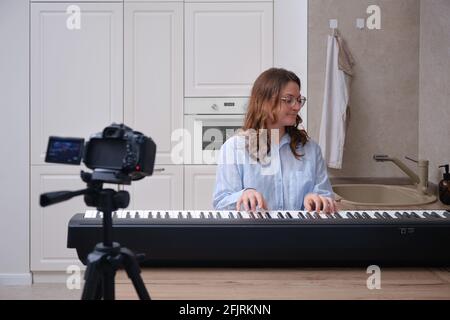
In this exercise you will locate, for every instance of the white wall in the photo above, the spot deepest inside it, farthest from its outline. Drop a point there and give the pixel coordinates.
(14, 133)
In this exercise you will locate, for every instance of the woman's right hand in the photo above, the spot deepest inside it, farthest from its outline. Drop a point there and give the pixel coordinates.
(252, 197)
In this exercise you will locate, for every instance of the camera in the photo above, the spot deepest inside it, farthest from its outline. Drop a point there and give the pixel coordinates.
(117, 150)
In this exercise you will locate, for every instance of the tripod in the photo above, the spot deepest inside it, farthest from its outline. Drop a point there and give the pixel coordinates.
(108, 256)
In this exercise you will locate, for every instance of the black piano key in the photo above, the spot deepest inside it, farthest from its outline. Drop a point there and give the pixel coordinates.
(447, 214)
(358, 215)
(114, 215)
(309, 216)
(280, 215)
(398, 215)
(435, 215)
(230, 215)
(267, 215)
(317, 216)
(158, 215)
(189, 215)
(386, 215)
(202, 215)
(98, 215)
(180, 215)
(366, 215)
(289, 215)
(426, 215)
(210, 215)
(259, 215)
(415, 215)
(337, 215)
(252, 216)
(240, 215)
(378, 215)
(350, 215)
(406, 214)
(301, 216)
(128, 216)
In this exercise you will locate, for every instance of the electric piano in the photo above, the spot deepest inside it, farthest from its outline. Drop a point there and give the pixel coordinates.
(272, 238)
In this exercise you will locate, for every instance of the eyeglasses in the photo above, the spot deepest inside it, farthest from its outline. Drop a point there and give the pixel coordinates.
(291, 101)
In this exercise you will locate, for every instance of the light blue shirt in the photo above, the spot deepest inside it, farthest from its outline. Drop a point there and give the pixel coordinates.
(284, 182)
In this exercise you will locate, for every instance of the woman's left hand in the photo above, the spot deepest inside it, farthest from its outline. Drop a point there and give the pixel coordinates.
(315, 202)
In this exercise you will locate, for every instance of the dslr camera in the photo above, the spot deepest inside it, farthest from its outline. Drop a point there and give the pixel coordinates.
(118, 154)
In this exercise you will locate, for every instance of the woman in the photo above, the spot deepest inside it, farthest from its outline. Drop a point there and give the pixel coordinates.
(271, 164)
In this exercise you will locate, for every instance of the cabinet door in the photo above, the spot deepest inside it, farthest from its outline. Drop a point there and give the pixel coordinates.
(154, 72)
(161, 191)
(199, 183)
(76, 74)
(49, 225)
(227, 46)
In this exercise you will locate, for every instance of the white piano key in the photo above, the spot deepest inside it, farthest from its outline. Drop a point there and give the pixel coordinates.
(142, 214)
(222, 214)
(88, 214)
(173, 214)
(274, 215)
(195, 214)
(122, 214)
(184, 214)
(343, 215)
(245, 215)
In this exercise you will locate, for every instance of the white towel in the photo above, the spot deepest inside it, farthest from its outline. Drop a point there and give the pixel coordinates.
(335, 102)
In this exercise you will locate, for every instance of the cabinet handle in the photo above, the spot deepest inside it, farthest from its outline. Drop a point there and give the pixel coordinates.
(159, 170)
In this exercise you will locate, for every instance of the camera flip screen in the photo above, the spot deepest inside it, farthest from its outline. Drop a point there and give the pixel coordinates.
(64, 150)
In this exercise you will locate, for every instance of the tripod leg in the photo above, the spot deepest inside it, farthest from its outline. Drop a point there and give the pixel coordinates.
(134, 273)
(108, 284)
(92, 282)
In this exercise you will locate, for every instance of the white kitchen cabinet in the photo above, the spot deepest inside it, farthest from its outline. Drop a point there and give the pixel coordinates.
(76, 90)
(49, 225)
(227, 45)
(153, 73)
(161, 191)
(76, 75)
(199, 183)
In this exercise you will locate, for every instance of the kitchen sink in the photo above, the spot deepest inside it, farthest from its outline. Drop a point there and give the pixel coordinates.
(381, 195)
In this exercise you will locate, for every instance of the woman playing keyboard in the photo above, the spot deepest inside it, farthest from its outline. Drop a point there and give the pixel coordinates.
(271, 164)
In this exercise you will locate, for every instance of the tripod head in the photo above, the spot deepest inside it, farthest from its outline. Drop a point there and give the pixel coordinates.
(105, 200)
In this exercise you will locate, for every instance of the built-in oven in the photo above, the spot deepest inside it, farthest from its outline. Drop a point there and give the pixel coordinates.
(209, 122)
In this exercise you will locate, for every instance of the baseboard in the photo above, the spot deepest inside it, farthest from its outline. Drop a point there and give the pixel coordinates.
(16, 279)
(53, 276)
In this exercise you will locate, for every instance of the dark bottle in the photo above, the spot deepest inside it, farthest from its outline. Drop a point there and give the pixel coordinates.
(444, 186)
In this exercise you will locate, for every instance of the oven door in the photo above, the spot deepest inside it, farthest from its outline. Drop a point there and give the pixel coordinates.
(207, 133)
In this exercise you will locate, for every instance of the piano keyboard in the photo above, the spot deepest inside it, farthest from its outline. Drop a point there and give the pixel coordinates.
(272, 238)
(148, 215)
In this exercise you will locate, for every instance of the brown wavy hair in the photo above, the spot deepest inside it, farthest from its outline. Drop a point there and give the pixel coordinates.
(263, 105)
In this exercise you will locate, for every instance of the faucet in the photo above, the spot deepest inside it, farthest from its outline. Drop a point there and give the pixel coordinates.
(421, 180)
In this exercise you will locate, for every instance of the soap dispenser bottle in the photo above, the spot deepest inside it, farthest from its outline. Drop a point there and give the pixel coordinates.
(444, 186)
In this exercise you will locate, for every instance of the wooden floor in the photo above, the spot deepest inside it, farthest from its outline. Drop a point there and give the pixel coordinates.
(288, 284)
(264, 284)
